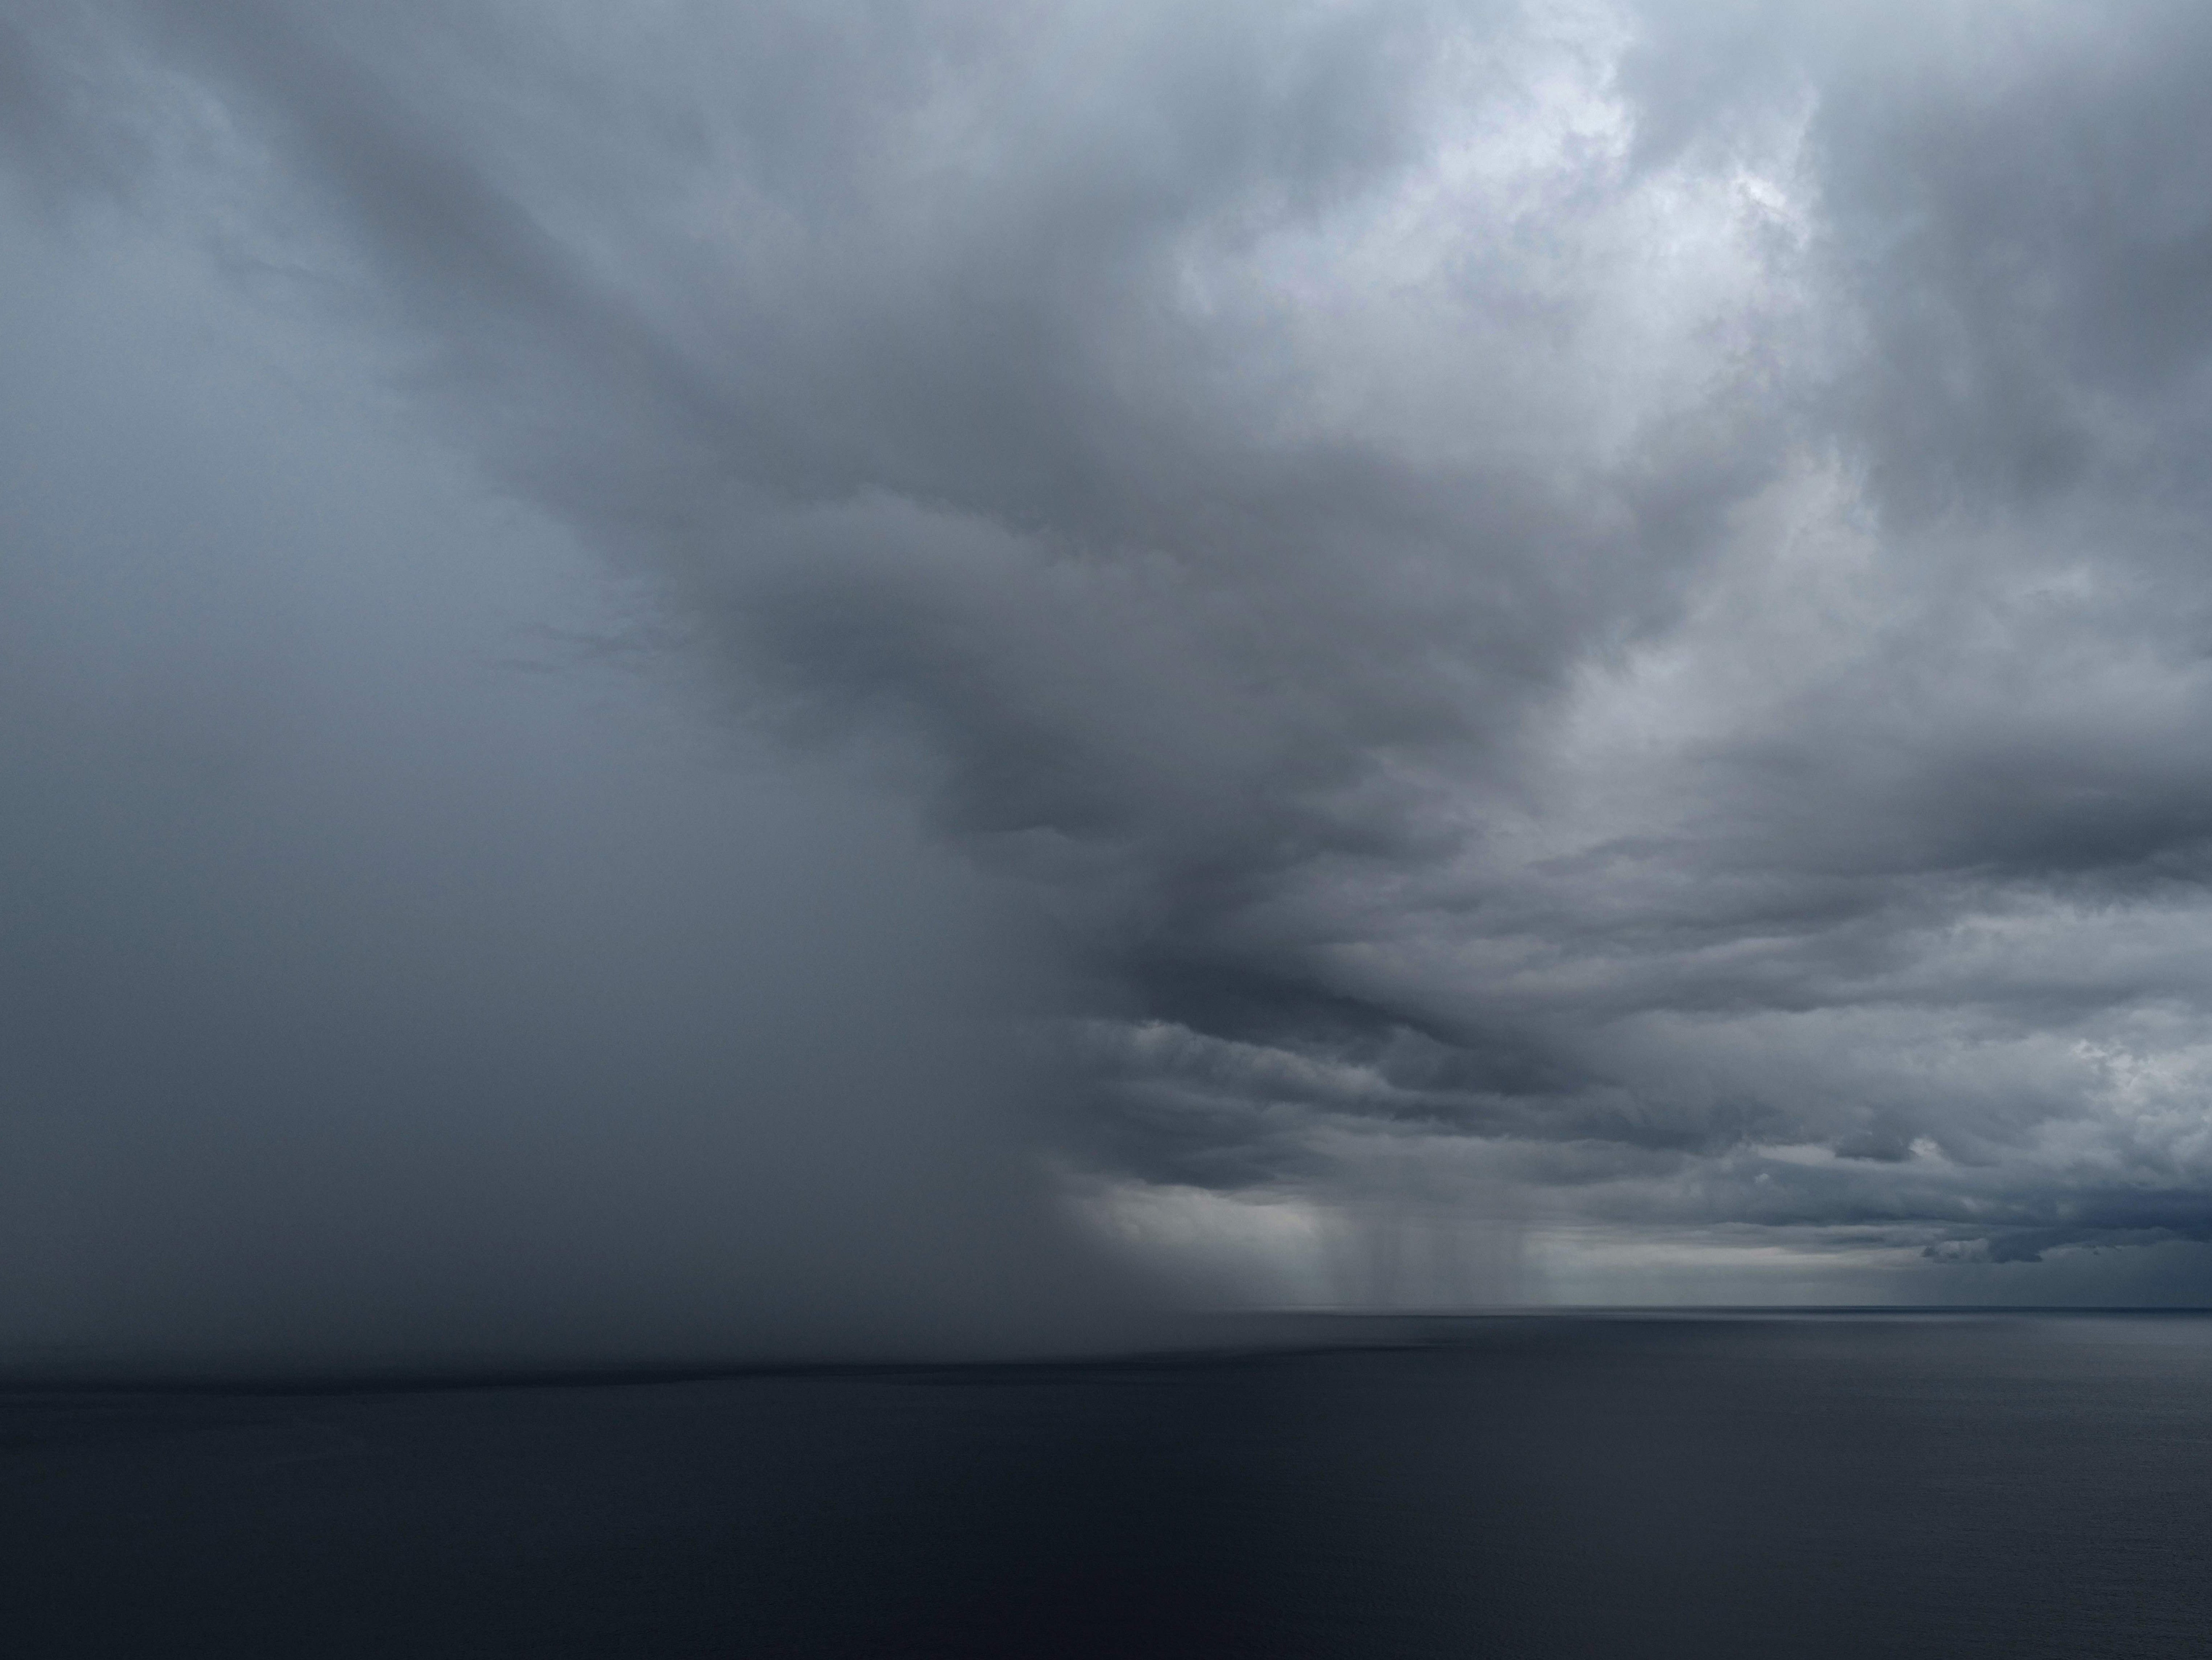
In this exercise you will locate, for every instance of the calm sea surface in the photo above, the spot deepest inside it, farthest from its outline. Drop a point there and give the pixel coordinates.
(1550, 1486)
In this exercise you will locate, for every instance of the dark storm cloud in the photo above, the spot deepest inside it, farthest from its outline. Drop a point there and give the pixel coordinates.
(369, 1002)
(1615, 596)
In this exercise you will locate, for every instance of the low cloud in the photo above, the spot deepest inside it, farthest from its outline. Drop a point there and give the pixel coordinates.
(1602, 602)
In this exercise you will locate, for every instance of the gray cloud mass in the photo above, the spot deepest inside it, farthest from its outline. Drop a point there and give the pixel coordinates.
(1593, 616)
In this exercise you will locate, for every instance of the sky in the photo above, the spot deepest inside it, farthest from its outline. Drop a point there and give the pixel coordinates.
(845, 678)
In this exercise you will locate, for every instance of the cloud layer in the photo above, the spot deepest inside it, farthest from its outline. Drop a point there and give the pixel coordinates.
(1603, 605)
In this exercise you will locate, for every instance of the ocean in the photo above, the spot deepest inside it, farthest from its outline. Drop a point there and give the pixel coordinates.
(1776, 1485)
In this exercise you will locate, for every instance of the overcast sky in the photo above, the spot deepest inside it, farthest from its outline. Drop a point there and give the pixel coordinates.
(826, 675)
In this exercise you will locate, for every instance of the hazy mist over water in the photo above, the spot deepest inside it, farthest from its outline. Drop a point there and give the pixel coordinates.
(402, 968)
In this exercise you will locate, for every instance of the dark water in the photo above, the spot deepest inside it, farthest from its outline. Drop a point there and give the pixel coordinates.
(1802, 1487)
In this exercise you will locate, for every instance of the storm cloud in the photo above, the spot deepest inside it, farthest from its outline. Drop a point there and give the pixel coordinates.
(1587, 620)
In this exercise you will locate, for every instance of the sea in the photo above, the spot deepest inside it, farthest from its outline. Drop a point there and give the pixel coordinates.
(1774, 1484)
